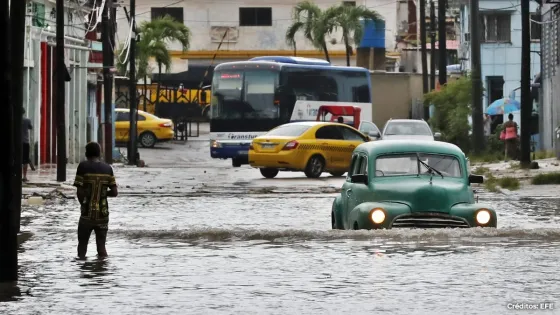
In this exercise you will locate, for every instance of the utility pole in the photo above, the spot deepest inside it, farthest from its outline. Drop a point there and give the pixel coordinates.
(526, 103)
(425, 82)
(60, 95)
(132, 145)
(477, 122)
(433, 30)
(442, 44)
(107, 38)
(8, 218)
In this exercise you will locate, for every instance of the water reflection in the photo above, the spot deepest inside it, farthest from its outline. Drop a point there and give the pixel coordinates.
(9, 292)
(95, 268)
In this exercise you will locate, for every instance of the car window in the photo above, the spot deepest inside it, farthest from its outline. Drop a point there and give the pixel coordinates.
(288, 131)
(354, 165)
(123, 116)
(408, 128)
(364, 165)
(407, 164)
(366, 127)
(350, 135)
(140, 117)
(328, 132)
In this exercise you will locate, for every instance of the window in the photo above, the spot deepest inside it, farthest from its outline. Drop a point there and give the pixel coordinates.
(123, 116)
(255, 16)
(140, 117)
(288, 131)
(350, 135)
(328, 132)
(408, 128)
(496, 27)
(326, 85)
(535, 27)
(409, 164)
(359, 165)
(366, 127)
(349, 3)
(175, 13)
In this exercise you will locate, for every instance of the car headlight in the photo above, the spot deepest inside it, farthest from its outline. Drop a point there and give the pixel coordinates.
(215, 144)
(377, 216)
(483, 217)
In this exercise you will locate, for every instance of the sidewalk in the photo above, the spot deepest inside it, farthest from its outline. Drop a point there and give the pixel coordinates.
(513, 169)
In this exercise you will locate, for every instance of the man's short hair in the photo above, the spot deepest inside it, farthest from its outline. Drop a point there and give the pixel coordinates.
(510, 116)
(93, 150)
(340, 119)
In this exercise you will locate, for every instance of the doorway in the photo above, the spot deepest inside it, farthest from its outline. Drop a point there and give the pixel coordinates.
(495, 86)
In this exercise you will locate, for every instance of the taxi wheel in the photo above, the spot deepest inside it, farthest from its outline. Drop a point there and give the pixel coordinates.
(315, 166)
(269, 172)
(337, 174)
(148, 140)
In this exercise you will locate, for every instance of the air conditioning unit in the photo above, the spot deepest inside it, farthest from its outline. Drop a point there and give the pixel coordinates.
(463, 51)
(467, 37)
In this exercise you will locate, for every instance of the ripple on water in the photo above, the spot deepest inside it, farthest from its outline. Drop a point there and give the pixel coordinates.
(260, 254)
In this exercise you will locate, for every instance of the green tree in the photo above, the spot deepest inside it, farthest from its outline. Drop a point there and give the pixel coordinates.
(154, 37)
(314, 23)
(351, 20)
(452, 109)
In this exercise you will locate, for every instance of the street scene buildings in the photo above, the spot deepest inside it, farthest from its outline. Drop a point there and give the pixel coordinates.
(351, 168)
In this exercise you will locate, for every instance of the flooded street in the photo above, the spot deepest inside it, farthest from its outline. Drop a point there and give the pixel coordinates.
(196, 248)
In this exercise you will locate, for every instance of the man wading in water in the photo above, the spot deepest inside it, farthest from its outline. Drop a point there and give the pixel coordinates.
(95, 182)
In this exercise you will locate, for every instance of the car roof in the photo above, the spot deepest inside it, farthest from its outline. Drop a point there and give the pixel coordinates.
(397, 146)
(312, 123)
(407, 121)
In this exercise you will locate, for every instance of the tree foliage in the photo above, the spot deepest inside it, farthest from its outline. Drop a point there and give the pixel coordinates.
(452, 109)
(316, 24)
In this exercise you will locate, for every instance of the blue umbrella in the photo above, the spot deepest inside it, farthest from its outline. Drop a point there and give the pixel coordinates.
(503, 106)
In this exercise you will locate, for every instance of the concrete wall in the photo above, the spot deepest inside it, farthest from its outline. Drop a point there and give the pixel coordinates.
(393, 95)
(502, 59)
(550, 88)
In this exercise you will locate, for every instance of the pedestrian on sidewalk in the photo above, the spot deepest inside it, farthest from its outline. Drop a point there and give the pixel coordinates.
(25, 127)
(95, 182)
(509, 134)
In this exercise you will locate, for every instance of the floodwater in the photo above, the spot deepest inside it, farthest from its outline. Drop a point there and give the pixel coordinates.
(276, 254)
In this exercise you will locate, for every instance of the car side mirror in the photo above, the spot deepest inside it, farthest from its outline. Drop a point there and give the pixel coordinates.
(437, 135)
(359, 179)
(373, 134)
(476, 179)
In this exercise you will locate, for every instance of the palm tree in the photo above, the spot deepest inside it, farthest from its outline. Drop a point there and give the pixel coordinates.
(154, 36)
(309, 18)
(349, 20)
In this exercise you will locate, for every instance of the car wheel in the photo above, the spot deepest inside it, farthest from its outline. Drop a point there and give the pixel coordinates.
(148, 140)
(235, 163)
(337, 174)
(269, 172)
(334, 222)
(315, 166)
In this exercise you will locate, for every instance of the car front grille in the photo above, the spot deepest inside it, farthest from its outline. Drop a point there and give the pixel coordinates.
(429, 220)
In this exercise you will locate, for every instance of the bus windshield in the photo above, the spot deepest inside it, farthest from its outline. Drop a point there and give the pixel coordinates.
(241, 94)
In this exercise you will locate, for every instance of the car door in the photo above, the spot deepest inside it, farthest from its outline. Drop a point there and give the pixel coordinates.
(369, 129)
(348, 189)
(122, 126)
(359, 191)
(330, 139)
(141, 123)
(351, 139)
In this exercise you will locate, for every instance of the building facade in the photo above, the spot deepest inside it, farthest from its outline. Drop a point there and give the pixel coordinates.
(550, 79)
(500, 27)
(254, 28)
(40, 68)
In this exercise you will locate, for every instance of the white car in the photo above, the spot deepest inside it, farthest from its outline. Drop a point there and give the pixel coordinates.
(413, 129)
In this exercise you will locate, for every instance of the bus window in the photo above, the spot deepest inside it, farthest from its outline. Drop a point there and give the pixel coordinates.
(312, 85)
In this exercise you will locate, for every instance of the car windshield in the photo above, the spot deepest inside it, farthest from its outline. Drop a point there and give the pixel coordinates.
(288, 131)
(244, 94)
(408, 128)
(408, 164)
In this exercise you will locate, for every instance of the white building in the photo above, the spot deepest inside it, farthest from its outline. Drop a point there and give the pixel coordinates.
(40, 81)
(255, 28)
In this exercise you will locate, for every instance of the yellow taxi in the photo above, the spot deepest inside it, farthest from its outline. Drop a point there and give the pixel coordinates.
(151, 129)
(312, 147)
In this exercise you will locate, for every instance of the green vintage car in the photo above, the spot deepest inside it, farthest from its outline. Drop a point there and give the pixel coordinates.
(409, 184)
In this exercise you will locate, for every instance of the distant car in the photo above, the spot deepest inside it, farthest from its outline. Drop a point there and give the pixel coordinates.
(151, 129)
(310, 147)
(408, 129)
(409, 184)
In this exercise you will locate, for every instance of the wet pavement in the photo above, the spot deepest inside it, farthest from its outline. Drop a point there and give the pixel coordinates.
(190, 235)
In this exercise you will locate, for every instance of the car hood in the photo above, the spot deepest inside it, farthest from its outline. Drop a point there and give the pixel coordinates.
(421, 195)
(405, 137)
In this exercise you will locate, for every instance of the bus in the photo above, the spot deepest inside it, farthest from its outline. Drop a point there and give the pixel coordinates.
(249, 98)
